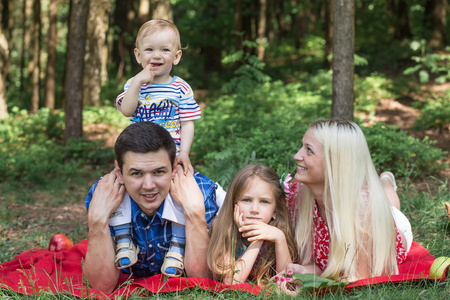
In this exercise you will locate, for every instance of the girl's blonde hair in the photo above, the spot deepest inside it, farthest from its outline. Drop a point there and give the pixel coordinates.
(155, 25)
(225, 235)
(360, 223)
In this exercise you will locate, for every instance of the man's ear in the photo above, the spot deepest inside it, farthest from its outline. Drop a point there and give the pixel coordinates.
(177, 57)
(174, 170)
(118, 172)
(137, 54)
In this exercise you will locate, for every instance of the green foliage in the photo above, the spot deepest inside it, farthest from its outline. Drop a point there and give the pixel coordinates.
(248, 75)
(406, 156)
(435, 114)
(32, 148)
(369, 91)
(429, 65)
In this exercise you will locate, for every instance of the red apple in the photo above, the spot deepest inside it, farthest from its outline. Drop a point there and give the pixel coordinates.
(59, 242)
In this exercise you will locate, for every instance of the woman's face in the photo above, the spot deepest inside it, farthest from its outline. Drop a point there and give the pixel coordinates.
(310, 161)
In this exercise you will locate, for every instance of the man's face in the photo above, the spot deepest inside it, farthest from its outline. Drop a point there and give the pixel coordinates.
(147, 178)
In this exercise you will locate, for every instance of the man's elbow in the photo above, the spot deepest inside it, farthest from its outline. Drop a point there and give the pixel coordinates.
(196, 270)
(105, 285)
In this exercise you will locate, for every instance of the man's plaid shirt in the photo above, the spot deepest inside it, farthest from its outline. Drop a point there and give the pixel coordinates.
(153, 235)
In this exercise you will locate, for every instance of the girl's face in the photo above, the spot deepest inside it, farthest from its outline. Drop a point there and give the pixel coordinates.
(258, 201)
(310, 161)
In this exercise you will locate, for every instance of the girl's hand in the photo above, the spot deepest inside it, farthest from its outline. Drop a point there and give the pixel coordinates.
(238, 217)
(255, 230)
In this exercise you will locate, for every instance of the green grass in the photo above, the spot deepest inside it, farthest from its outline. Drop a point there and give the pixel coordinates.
(425, 209)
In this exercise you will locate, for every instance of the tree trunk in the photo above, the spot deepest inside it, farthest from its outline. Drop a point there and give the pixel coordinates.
(51, 60)
(4, 56)
(342, 64)
(121, 48)
(329, 29)
(144, 11)
(262, 40)
(74, 73)
(438, 23)
(402, 30)
(26, 11)
(161, 9)
(238, 25)
(95, 59)
(34, 66)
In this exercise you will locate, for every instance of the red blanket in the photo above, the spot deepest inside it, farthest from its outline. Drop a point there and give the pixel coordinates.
(39, 271)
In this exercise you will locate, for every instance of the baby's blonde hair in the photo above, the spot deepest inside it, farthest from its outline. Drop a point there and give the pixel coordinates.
(357, 210)
(155, 25)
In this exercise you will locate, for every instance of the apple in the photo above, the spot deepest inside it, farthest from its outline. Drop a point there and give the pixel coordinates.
(438, 267)
(59, 242)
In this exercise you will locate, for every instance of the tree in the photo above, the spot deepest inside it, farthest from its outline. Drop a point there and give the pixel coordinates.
(238, 25)
(329, 28)
(95, 73)
(261, 40)
(51, 59)
(438, 23)
(4, 55)
(79, 10)
(342, 64)
(161, 9)
(144, 11)
(34, 66)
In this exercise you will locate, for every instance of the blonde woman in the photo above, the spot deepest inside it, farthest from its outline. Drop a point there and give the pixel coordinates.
(251, 237)
(349, 224)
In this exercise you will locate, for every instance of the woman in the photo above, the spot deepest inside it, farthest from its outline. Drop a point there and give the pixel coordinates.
(349, 225)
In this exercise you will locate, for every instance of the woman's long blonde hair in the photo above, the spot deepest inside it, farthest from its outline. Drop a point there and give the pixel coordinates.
(225, 235)
(360, 223)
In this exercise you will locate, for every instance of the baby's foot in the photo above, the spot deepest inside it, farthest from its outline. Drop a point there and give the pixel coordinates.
(174, 261)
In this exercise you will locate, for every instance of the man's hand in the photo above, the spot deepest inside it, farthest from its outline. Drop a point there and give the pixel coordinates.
(106, 198)
(186, 193)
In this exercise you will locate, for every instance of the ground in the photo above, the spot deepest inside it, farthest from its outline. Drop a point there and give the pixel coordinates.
(72, 217)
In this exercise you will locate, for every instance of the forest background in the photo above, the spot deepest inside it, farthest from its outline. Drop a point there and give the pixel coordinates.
(261, 70)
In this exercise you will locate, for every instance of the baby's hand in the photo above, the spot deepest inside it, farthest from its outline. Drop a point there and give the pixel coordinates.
(146, 75)
(238, 217)
(183, 160)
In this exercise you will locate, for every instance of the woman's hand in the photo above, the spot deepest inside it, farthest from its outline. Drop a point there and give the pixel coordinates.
(285, 282)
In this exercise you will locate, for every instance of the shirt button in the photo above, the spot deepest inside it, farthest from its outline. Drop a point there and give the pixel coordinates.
(148, 227)
(152, 264)
(150, 245)
(142, 215)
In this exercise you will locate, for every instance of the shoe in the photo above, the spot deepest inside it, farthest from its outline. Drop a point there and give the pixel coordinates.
(173, 260)
(126, 250)
(391, 178)
(176, 262)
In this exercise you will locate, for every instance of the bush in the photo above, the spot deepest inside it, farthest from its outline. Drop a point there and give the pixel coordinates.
(406, 156)
(32, 148)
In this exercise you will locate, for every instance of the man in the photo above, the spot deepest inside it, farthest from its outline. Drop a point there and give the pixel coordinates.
(144, 167)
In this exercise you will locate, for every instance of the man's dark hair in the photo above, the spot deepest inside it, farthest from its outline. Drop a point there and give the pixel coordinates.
(144, 137)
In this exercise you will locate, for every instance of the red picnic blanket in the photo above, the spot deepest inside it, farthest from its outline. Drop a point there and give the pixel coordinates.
(39, 271)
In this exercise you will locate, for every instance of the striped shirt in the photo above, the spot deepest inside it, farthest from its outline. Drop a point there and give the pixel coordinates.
(153, 234)
(164, 104)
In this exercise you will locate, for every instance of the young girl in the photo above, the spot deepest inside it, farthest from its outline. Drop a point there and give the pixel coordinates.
(252, 234)
(349, 224)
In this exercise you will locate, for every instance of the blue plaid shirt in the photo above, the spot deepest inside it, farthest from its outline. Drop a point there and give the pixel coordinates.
(153, 235)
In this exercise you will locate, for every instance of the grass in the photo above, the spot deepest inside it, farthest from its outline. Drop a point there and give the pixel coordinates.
(424, 208)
